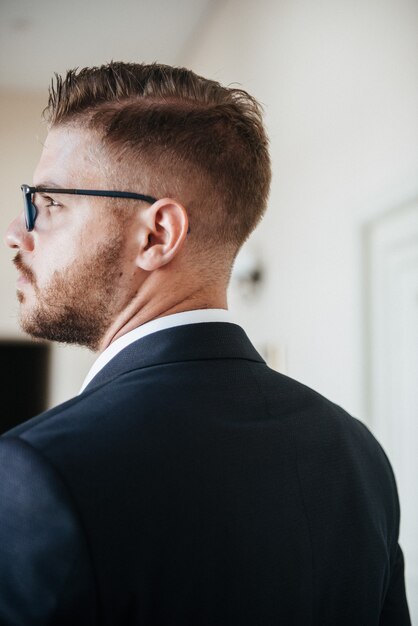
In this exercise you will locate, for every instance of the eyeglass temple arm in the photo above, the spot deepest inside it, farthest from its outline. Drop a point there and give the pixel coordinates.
(95, 192)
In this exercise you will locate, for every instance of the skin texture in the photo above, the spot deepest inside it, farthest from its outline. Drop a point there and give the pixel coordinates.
(90, 272)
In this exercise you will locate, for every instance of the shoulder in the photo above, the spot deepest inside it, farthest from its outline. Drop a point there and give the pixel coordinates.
(31, 489)
(42, 545)
(325, 436)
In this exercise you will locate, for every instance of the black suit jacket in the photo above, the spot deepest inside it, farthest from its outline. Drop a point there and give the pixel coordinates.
(190, 484)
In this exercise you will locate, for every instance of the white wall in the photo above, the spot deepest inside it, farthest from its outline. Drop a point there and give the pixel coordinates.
(338, 80)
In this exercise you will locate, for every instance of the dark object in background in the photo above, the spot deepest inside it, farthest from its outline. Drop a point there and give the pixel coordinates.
(24, 368)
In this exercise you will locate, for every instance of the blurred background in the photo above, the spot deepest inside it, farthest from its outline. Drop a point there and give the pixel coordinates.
(327, 287)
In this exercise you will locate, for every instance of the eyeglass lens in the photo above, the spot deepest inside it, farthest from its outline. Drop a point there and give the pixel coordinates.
(29, 208)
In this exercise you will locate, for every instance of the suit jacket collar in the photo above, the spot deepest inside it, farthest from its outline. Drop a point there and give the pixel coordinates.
(212, 340)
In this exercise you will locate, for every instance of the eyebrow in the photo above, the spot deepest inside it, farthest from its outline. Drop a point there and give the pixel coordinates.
(50, 183)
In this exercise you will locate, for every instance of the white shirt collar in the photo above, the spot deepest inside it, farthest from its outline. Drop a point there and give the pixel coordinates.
(161, 323)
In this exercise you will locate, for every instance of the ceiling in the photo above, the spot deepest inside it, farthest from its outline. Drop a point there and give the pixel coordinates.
(40, 37)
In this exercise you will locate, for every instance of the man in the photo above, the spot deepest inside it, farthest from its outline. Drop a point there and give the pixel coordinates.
(187, 484)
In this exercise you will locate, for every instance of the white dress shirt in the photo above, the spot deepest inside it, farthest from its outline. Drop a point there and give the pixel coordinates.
(169, 321)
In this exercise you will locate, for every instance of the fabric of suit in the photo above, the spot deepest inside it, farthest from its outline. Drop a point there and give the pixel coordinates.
(189, 484)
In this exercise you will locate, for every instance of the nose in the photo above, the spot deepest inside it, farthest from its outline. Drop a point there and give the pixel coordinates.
(17, 236)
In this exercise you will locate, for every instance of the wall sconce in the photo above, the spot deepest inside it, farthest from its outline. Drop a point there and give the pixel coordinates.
(248, 274)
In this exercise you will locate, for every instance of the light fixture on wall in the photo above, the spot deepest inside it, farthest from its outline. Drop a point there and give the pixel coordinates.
(248, 274)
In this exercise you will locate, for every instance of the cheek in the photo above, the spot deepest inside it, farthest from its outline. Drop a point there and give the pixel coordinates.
(51, 259)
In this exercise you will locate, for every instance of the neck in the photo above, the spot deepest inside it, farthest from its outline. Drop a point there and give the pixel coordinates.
(146, 307)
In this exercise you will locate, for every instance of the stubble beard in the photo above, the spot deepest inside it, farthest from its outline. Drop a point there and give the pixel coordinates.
(79, 303)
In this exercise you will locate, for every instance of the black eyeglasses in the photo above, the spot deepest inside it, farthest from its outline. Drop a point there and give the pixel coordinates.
(31, 211)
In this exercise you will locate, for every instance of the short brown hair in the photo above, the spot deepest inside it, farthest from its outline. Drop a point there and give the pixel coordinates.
(181, 135)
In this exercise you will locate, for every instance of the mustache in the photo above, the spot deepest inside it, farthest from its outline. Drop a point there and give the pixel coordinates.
(23, 269)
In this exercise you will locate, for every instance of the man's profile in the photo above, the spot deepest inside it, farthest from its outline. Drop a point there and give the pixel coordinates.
(187, 483)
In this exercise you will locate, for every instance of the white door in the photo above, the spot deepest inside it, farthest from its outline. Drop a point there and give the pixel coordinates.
(392, 243)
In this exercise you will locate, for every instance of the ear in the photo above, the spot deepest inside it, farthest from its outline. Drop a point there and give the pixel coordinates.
(164, 227)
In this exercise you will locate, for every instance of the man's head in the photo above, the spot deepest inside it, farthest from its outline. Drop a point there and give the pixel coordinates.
(174, 134)
(199, 148)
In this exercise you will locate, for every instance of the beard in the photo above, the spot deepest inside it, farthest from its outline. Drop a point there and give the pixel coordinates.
(78, 304)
